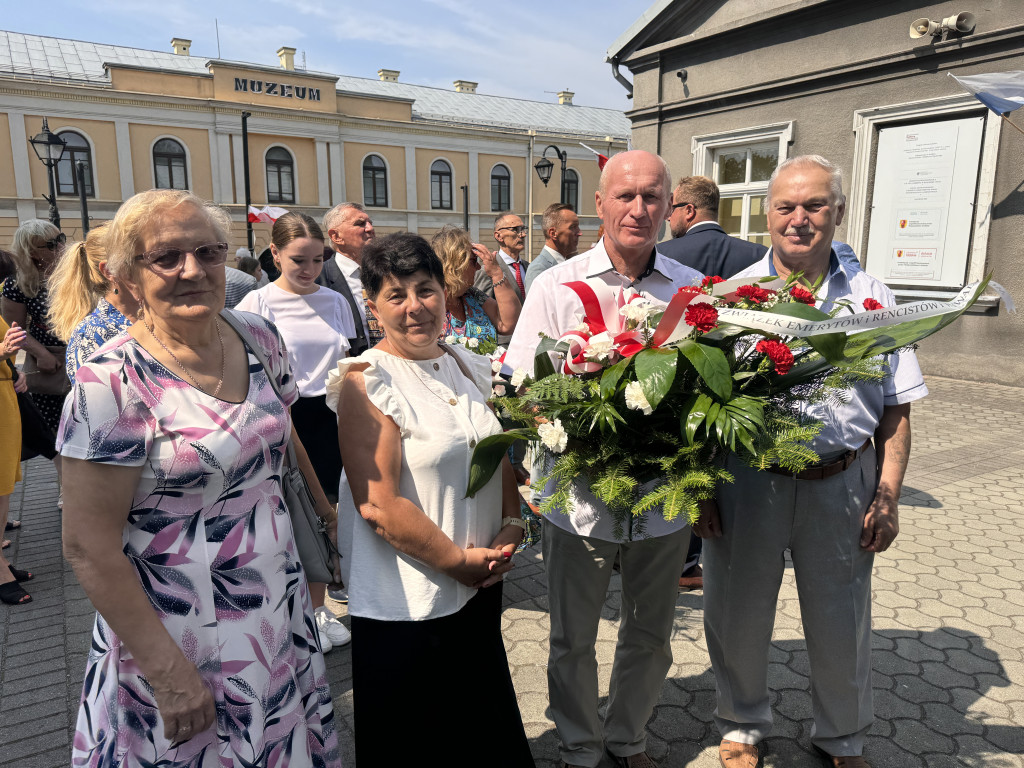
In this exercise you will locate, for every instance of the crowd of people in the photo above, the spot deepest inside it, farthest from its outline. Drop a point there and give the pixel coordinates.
(172, 414)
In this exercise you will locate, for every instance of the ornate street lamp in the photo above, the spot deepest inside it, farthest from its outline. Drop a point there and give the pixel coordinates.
(544, 166)
(49, 148)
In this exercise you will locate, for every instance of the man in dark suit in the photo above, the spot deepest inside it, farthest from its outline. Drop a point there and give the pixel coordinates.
(348, 228)
(510, 234)
(699, 241)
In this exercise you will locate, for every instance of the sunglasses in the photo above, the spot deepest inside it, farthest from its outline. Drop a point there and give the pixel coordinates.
(167, 261)
(52, 245)
(681, 205)
(513, 230)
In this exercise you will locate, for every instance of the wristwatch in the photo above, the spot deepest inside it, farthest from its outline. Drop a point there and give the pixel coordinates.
(518, 522)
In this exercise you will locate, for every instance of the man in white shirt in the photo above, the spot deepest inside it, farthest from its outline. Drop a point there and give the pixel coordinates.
(580, 548)
(349, 228)
(561, 238)
(510, 234)
(832, 517)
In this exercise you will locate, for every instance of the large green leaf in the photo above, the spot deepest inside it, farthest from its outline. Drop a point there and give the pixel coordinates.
(656, 370)
(488, 454)
(611, 377)
(711, 365)
(693, 415)
(542, 365)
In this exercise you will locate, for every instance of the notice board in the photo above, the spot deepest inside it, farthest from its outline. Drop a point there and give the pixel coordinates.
(922, 209)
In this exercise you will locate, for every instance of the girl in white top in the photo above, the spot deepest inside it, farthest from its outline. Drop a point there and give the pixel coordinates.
(423, 562)
(315, 323)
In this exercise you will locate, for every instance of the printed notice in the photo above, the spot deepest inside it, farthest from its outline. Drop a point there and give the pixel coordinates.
(918, 224)
(917, 263)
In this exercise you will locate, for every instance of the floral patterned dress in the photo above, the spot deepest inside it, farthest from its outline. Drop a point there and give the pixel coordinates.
(212, 543)
(477, 325)
(98, 327)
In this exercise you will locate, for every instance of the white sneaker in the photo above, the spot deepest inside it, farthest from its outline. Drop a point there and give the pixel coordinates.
(328, 626)
(325, 642)
(340, 594)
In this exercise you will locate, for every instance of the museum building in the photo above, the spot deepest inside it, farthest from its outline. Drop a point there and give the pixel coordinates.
(418, 157)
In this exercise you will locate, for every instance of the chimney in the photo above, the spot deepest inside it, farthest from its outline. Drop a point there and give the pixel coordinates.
(180, 45)
(286, 56)
(565, 97)
(465, 86)
(388, 75)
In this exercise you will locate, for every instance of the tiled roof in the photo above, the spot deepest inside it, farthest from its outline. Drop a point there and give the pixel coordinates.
(50, 58)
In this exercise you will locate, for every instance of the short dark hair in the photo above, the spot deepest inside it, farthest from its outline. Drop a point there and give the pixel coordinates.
(7, 268)
(248, 264)
(701, 191)
(397, 255)
(552, 214)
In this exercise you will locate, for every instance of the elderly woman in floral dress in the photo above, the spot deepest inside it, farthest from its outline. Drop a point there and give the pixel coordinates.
(204, 652)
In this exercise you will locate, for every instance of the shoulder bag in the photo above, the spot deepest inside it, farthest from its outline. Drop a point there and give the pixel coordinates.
(49, 383)
(312, 542)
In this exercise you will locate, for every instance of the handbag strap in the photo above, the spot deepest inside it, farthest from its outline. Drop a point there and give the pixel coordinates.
(446, 348)
(242, 330)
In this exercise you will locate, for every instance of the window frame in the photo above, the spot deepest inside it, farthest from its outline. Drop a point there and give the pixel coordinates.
(278, 165)
(155, 156)
(501, 204)
(383, 170)
(571, 182)
(441, 177)
(70, 158)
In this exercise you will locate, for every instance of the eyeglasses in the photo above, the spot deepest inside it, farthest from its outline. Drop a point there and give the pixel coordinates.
(167, 261)
(513, 230)
(681, 205)
(52, 244)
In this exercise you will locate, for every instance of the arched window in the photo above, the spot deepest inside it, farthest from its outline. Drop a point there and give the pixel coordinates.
(375, 182)
(169, 165)
(280, 176)
(76, 148)
(571, 191)
(441, 185)
(501, 189)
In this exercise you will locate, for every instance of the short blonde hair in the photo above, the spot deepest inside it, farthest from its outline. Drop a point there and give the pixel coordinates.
(125, 231)
(77, 284)
(32, 234)
(454, 248)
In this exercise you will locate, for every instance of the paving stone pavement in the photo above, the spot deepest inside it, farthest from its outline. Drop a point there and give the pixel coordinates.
(948, 622)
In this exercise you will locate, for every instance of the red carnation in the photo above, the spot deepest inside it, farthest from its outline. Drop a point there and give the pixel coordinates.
(701, 316)
(778, 353)
(711, 280)
(802, 295)
(754, 293)
(870, 304)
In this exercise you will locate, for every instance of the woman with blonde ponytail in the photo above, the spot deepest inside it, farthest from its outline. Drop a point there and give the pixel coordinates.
(87, 306)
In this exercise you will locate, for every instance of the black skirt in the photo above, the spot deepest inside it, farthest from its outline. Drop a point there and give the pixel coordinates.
(437, 692)
(317, 427)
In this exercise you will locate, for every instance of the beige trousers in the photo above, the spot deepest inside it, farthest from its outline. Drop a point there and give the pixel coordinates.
(579, 570)
(819, 521)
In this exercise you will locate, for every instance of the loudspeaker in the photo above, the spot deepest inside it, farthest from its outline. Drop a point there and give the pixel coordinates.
(962, 23)
(924, 26)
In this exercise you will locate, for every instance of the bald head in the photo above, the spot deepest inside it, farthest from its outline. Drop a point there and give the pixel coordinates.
(633, 199)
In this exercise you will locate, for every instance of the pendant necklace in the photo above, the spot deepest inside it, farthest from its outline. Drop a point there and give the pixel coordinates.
(200, 387)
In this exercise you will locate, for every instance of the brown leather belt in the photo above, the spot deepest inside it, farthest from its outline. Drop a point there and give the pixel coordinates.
(821, 471)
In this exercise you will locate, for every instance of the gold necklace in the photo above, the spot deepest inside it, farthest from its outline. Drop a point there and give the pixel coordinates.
(223, 359)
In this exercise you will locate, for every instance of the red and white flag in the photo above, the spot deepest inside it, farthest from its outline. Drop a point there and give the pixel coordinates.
(268, 214)
(601, 159)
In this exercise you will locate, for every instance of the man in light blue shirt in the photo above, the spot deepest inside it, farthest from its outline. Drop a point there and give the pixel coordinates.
(832, 517)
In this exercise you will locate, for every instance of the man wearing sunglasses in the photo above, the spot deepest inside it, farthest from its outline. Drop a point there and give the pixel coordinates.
(510, 235)
(700, 243)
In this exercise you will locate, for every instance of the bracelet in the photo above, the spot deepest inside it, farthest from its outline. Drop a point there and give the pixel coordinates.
(504, 279)
(518, 522)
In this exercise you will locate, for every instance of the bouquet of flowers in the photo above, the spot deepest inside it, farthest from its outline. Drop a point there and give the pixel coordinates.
(479, 346)
(646, 396)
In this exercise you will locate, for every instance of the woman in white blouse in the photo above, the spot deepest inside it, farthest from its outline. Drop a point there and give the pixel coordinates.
(315, 323)
(423, 563)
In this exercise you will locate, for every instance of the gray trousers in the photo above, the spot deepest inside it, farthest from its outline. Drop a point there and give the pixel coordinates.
(579, 570)
(819, 521)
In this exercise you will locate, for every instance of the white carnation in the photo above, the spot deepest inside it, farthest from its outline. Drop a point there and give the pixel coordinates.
(553, 436)
(636, 399)
(473, 343)
(518, 377)
(496, 366)
(453, 339)
(636, 312)
(600, 347)
(499, 390)
(499, 352)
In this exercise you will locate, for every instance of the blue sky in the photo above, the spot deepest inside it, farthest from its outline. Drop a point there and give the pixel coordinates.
(523, 49)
